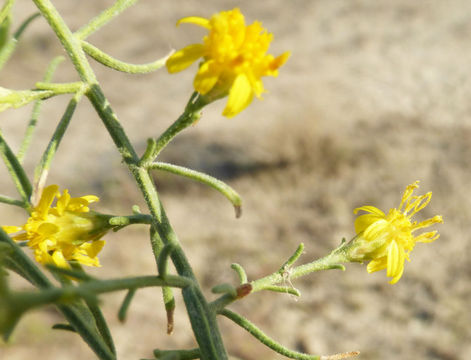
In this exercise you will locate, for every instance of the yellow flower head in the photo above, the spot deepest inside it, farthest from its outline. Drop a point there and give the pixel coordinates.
(66, 232)
(387, 240)
(234, 59)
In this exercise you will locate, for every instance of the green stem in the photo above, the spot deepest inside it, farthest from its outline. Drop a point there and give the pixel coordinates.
(203, 178)
(106, 16)
(265, 339)
(162, 261)
(283, 290)
(37, 107)
(16, 171)
(73, 313)
(331, 261)
(167, 292)
(69, 273)
(65, 327)
(6, 9)
(41, 171)
(177, 354)
(122, 66)
(240, 273)
(95, 287)
(97, 314)
(10, 201)
(66, 88)
(202, 319)
(70, 42)
(101, 325)
(293, 258)
(191, 115)
(122, 221)
(87, 330)
(123, 310)
(284, 275)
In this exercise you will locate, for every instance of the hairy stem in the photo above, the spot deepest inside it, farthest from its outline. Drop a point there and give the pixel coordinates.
(202, 319)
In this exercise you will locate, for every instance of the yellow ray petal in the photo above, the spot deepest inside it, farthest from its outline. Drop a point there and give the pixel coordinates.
(396, 278)
(206, 77)
(11, 229)
(370, 209)
(47, 197)
(362, 222)
(59, 260)
(183, 58)
(377, 265)
(240, 96)
(92, 249)
(376, 229)
(195, 20)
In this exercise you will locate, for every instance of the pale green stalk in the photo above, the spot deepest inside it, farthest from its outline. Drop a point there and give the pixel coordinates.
(177, 354)
(74, 313)
(264, 339)
(36, 108)
(41, 170)
(125, 305)
(202, 319)
(284, 275)
(16, 171)
(122, 66)
(6, 9)
(105, 17)
(203, 178)
(8, 200)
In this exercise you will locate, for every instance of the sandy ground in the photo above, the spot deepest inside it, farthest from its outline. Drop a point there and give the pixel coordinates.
(375, 96)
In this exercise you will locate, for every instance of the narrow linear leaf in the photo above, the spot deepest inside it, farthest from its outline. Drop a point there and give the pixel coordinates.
(103, 18)
(65, 327)
(6, 10)
(283, 290)
(240, 272)
(36, 110)
(203, 178)
(177, 354)
(122, 66)
(123, 310)
(265, 339)
(16, 170)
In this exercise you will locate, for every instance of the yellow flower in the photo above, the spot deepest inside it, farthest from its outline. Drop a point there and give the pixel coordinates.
(234, 59)
(387, 240)
(66, 232)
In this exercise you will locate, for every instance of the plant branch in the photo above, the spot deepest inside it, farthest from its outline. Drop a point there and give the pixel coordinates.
(6, 9)
(274, 345)
(76, 314)
(331, 261)
(203, 178)
(16, 171)
(10, 201)
(103, 18)
(265, 339)
(177, 354)
(42, 169)
(203, 321)
(122, 66)
(36, 108)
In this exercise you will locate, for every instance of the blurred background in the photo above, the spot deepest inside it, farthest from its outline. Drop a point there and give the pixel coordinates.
(375, 96)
